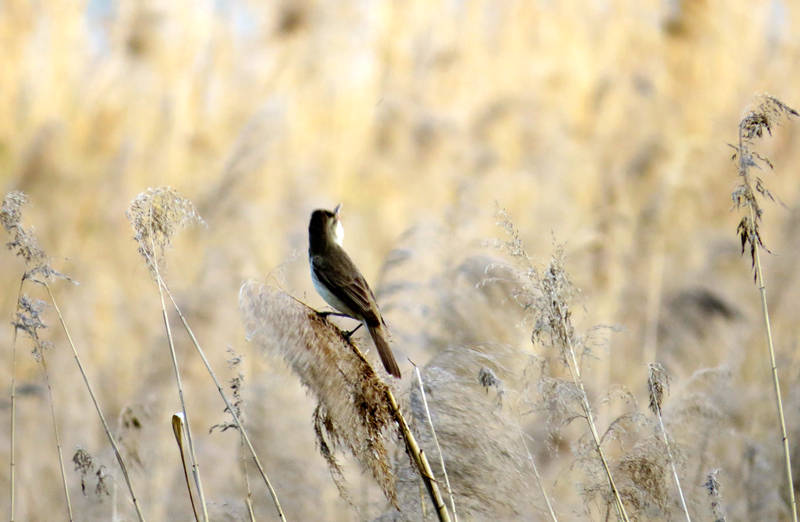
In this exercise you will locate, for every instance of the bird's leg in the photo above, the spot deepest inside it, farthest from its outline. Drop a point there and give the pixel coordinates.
(347, 335)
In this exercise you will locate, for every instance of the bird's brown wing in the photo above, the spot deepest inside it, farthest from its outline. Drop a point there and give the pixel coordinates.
(341, 277)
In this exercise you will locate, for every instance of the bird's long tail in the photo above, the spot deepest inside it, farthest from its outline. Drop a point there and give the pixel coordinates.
(379, 337)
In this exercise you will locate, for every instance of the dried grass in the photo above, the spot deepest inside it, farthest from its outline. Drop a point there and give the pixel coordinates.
(352, 412)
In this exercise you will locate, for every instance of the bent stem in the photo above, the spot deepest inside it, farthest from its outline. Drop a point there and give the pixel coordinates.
(111, 439)
(420, 459)
(228, 405)
(416, 453)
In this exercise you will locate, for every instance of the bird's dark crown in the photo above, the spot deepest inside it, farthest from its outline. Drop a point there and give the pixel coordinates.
(320, 229)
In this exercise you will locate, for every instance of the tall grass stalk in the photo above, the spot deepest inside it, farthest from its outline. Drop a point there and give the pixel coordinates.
(552, 289)
(420, 460)
(228, 405)
(29, 319)
(13, 393)
(762, 289)
(355, 410)
(51, 402)
(658, 384)
(192, 456)
(757, 121)
(436, 442)
(155, 215)
(248, 499)
(539, 481)
(575, 372)
(111, 440)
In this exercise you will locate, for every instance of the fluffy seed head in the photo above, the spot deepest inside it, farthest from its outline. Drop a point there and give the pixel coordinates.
(155, 215)
(352, 411)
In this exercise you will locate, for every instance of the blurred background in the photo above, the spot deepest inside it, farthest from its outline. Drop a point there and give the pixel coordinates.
(601, 125)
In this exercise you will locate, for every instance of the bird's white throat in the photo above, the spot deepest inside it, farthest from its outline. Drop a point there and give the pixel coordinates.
(338, 233)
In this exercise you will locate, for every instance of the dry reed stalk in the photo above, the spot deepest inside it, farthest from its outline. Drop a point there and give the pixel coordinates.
(13, 393)
(56, 434)
(120, 459)
(547, 295)
(575, 372)
(539, 481)
(355, 409)
(658, 386)
(155, 216)
(763, 118)
(29, 320)
(248, 499)
(25, 245)
(39, 271)
(195, 465)
(230, 408)
(436, 442)
(420, 460)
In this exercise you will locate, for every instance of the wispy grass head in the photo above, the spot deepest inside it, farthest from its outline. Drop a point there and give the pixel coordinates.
(657, 386)
(768, 113)
(155, 215)
(29, 321)
(479, 436)
(23, 241)
(644, 480)
(352, 412)
(11, 210)
(546, 294)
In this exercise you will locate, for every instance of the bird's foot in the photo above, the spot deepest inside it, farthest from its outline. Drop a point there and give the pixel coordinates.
(347, 335)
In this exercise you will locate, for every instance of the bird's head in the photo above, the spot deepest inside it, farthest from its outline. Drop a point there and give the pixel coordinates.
(325, 226)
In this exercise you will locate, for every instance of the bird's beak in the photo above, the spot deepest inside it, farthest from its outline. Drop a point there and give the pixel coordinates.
(337, 209)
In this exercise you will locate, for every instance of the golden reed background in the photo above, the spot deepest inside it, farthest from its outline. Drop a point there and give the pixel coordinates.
(602, 125)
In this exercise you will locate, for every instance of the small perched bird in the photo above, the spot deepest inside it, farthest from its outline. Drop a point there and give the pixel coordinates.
(341, 285)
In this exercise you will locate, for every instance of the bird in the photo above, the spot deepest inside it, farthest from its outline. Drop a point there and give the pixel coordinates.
(339, 282)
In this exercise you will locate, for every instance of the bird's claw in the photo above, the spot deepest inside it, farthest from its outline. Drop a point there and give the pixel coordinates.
(347, 335)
